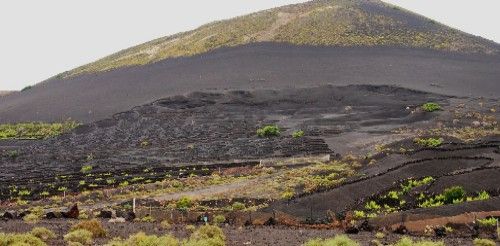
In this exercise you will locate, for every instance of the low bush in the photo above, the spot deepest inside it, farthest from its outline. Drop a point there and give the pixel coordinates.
(268, 131)
(184, 203)
(429, 142)
(454, 194)
(431, 107)
(141, 239)
(35, 130)
(488, 222)
(86, 169)
(32, 218)
(287, 195)
(379, 235)
(340, 240)
(148, 219)
(20, 239)
(298, 134)
(406, 241)
(81, 236)
(481, 196)
(207, 235)
(43, 233)
(94, 226)
(484, 242)
(238, 206)
(219, 219)
(209, 231)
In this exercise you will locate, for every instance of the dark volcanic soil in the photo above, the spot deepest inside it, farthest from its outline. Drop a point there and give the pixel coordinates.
(472, 166)
(259, 66)
(213, 128)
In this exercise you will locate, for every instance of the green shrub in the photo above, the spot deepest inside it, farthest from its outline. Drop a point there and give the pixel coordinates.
(372, 206)
(298, 134)
(94, 226)
(431, 107)
(410, 184)
(406, 241)
(43, 233)
(184, 203)
(481, 196)
(35, 130)
(86, 169)
(339, 240)
(454, 194)
(32, 218)
(207, 235)
(287, 195)
(429, 142)
(483, 242)
(79, 236)
(489, 222)
(141, 239)
(209, 232)
(219, 219)
(238, 206)
(379, 235)
(148, 219)
(268, 131)
(20, 240)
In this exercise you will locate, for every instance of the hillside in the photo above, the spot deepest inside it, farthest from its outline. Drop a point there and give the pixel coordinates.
(316, 43)
(282, 127)
(344, 23)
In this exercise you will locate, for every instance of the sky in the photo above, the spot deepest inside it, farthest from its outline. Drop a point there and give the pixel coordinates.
(39, 39)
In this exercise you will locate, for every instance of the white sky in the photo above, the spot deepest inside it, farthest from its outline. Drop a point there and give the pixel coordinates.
(39, 39)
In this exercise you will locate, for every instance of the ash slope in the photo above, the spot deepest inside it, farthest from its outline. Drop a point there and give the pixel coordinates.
(213, 128)
(93, 97)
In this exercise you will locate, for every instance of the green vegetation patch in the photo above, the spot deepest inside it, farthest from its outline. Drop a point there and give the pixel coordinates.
(431, 107)
(268, 131)
(35, 130)
(337, 240)
(20, 239)
(452, 195)
(406, 241)
(205, 235)
(392, 201)
(483, 242)
(488, 222)
(298, 134)
(429, 142)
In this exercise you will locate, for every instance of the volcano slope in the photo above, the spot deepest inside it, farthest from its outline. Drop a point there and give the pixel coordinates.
(376, 140)
(212, 128)
(335, 42)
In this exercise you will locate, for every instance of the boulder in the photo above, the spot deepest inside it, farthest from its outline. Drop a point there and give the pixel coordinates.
(401, 230)
(9, 215)
(73, 213)
(106, 214)
(53, 215)
(352, 229)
